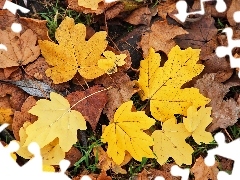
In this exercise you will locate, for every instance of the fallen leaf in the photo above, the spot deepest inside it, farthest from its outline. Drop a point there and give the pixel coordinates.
(224, 113)
(170, 142)
(111, 61)
(73, 155)
(203, 172)
(162, 85)
(166, 7)
(22, 116)
(113, 11)
(73, 53)
(142, 15)
(105, 163)
(121, 91)
(21, 49)
(34, 88)
(103, 176)
(52, 153)
(39, 27)
(201, 35)
(91, 105)
(196, 123)
(164, 34)
(12, 96)
(91, 4)
(125, 133)
(6, 19)
(36, 70)
(61, 123)
(6, 116)
(235, 6)
(73, 4)
(221, 66)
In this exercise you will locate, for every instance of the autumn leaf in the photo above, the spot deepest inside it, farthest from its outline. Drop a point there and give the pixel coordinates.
(73, 53)
(170, 142)
(110, 63)
(52, 153)
(91, 107)
(126, 134)
(162, 85)
(196, 123)
(160, 37)
(6, 116)
(21, 49)
(92, 4)
(55, 120)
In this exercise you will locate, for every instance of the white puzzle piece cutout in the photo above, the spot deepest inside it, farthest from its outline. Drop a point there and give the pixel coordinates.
(181, 6)
(227, 150)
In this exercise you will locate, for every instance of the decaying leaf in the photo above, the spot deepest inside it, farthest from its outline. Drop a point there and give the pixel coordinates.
(73, 53)
(235, 6)
(160, 37)
(105, 163)
(91, 107)
(55, 120)
(111, 61)
(224, 113)
(125, 133)
(203, 172)
(196, 123)
(161, 85)
(22, 116)
(166, 7)
(34, 88)
(121, 91)
(201, 34)
(11, 96)
(21, 49)
(170, 142)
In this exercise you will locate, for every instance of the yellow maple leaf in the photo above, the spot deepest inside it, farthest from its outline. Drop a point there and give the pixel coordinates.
(92, 4)
(109, 65)
(55, 120)
(125, 133)
(196, 123)
(73, 53)
(162, 85)
(170, 142)
(52, 153)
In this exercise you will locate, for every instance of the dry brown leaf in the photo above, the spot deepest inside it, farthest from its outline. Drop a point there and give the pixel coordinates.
(201, 35)
(105, 163)
(203, 172)
(164, 34)
(103, 176)
(121, 91)
(11, 96)
(166, 7)
(141, 15)
(224, 113)
(73, 155)
(22, 116)
(39, 27)
(214, 64)
(113, 11)
(6, 19)
(73, 4)
(36, 70)
(21, 49)
(235, 6)
(91, 107)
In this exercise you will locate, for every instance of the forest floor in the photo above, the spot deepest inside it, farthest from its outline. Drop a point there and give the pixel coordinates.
(167, 68)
